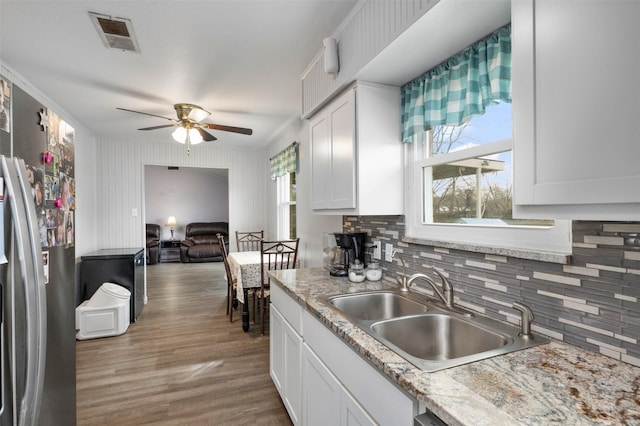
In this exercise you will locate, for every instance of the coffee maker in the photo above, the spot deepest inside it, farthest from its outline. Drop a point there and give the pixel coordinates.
(350, 246)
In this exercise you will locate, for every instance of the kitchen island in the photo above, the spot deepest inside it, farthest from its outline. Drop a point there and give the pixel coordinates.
(553, 383)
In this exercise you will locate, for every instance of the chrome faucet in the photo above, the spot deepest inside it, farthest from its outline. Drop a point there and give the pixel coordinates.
(526, 316)
(404, 287)
(446, 295)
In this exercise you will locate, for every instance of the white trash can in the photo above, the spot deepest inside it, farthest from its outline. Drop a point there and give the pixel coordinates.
(105, 314)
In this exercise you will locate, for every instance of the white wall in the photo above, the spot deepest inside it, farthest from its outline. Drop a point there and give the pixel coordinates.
(121, 187)
(310, 226)
(86, 200)
(188, 193)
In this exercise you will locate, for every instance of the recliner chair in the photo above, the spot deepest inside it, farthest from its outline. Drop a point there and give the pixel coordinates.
(153, 243)
(201, 242)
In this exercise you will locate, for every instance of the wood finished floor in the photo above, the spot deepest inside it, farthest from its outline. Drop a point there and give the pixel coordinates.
(182, 362)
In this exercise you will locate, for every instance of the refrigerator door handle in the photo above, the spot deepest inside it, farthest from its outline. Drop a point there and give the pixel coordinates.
(25, 223)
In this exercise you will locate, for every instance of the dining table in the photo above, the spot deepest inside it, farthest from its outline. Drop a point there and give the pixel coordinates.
(245, 267)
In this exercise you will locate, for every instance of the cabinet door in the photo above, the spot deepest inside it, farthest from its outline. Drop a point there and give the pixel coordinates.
(293, 373)
(343, 152)
(321, 393)
(333, 151)
(276, 349)
(352, 414)
(326, 401)
(575, 104)
(285, 348)
(320, 162)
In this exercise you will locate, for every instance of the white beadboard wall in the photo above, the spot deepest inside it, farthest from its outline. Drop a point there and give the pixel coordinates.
(365, 33)
(120, 185)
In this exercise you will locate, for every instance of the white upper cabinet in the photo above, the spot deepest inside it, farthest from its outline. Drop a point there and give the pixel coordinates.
(356, 153)
(333, 155)
(576, 109)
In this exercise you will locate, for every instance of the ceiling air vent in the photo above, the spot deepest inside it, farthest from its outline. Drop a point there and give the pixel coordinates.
(115, 33)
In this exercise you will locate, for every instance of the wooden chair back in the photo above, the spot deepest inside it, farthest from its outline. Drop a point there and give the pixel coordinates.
(230, 280)
(249, 241)
(223, 249)
(281, 254)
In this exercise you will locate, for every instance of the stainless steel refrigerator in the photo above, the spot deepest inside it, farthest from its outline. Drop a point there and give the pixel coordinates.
(37, 268)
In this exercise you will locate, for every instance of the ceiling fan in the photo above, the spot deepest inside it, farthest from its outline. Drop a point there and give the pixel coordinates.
(189, 127)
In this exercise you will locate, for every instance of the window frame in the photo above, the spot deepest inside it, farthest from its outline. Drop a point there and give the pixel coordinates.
(284, 203)
(517, 240)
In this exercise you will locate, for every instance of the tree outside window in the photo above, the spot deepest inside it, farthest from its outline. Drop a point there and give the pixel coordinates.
(474, 188)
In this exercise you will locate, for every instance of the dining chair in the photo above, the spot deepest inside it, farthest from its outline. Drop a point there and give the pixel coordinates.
(231, 281)
(281, 254)
(249, 240)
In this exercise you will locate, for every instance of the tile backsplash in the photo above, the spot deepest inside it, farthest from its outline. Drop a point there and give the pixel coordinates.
(593, 302)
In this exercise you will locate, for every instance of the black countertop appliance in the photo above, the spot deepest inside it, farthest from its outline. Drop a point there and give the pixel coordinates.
(350, 247)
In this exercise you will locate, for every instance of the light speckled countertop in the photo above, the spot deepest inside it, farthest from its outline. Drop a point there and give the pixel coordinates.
(553, 383)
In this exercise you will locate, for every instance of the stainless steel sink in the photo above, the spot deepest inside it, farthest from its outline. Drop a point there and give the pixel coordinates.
(426, 334)
(438, 337)
(377, 305)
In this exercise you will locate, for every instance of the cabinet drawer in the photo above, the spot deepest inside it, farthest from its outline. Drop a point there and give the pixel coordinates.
(288, 307)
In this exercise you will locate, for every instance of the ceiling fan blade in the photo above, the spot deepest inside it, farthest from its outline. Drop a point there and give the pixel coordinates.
(146, 113)
(242, 130)
(159, 127)
(206, 136)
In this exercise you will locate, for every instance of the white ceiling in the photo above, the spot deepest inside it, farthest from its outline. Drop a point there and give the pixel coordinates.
(240, 59)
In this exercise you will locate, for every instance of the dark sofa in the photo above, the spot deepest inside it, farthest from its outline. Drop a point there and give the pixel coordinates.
(201, 244)
(153, 243)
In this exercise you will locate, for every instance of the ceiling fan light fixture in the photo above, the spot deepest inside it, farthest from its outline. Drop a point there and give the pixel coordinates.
(198, 114)
(180, 136)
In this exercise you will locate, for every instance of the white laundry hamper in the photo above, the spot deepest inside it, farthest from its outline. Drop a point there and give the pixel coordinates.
(105, 314)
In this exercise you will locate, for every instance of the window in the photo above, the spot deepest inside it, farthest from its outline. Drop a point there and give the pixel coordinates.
(286, 206)
(457, 127)
(283, 169)
(468, 172)
(463, 176)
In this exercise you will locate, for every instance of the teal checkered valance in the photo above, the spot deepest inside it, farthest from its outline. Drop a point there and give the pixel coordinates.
(459, 88)
(285, 162)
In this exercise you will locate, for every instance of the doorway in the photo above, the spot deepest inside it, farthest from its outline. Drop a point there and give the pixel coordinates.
(190, 194)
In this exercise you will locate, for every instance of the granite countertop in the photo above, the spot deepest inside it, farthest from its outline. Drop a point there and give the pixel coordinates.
(552, 383)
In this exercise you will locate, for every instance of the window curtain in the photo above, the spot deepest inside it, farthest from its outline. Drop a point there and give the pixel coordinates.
(459, 88)
(285, 162)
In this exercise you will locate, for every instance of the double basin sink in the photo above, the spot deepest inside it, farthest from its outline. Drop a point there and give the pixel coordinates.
(428, 335)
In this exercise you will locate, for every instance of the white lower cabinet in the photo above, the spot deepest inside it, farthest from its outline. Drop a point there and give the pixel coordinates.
(321, 399)
(351, 413)
(285, 363)
(325, 400)
(321, 380)
(383, 401)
